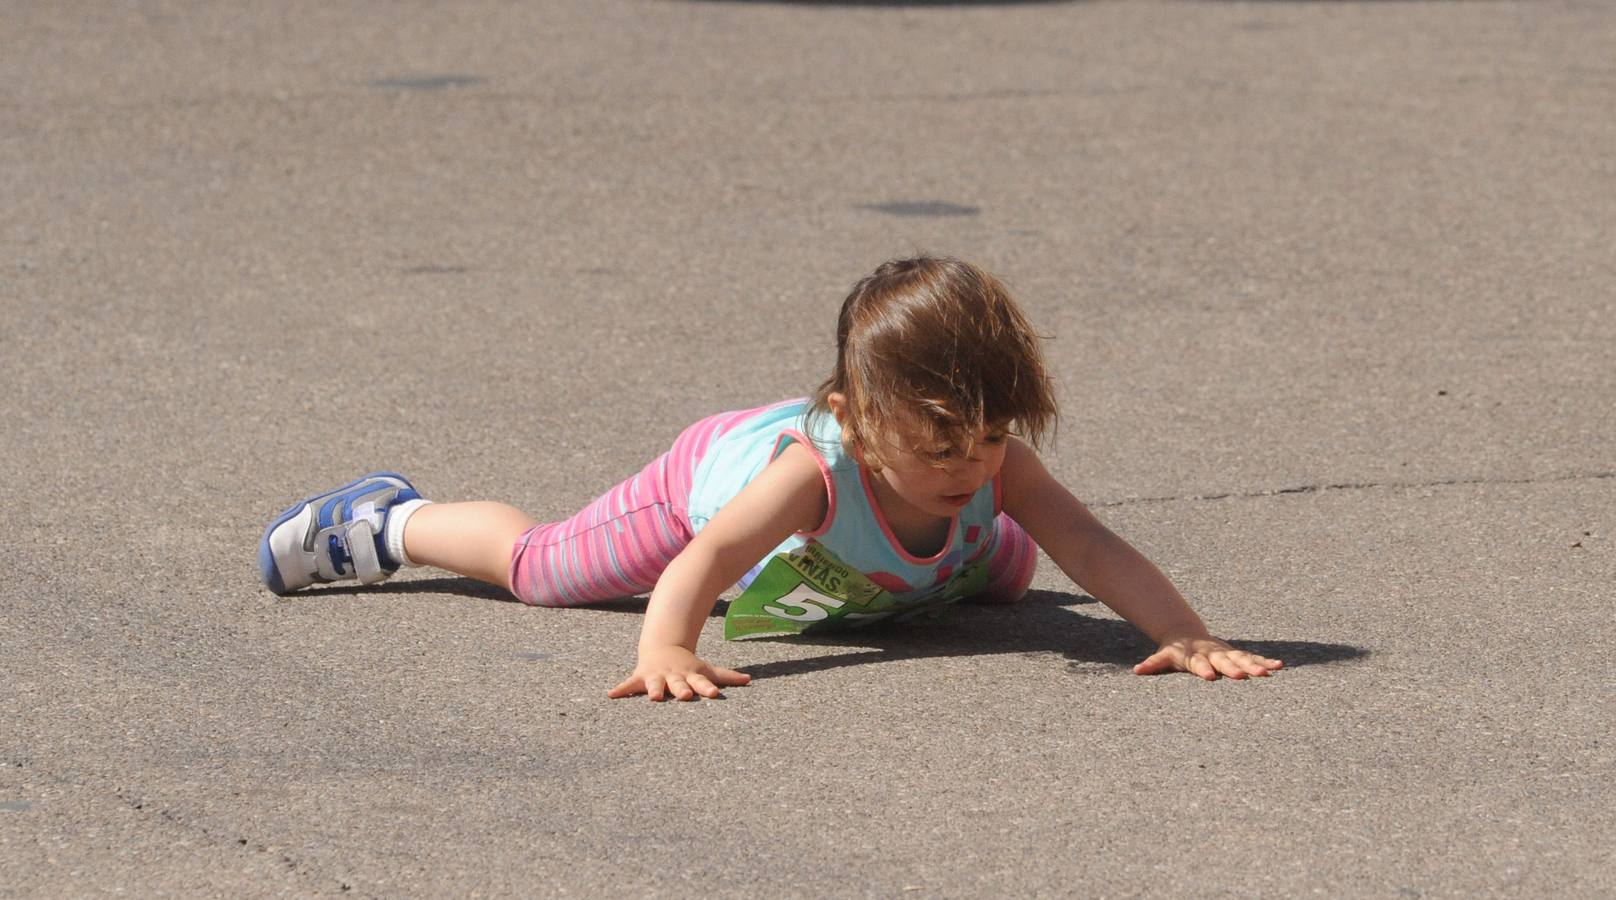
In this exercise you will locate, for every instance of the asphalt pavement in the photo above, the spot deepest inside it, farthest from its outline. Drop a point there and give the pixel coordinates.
(1328, 288)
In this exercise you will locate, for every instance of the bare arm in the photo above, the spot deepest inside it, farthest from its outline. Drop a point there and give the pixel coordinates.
(1116, 574)
(787, 496)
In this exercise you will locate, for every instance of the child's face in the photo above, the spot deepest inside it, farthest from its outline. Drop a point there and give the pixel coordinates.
(940, 481)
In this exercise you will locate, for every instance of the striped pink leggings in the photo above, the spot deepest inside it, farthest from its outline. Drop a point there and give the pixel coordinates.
(618, 545)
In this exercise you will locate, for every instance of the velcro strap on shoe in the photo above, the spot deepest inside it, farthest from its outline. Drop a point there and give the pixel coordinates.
(361, 539)
(327, 543)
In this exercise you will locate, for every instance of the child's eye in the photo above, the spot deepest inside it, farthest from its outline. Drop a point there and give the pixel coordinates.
(997, 438)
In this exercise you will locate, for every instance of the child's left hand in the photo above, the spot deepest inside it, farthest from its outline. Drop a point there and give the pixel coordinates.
(1205, 657)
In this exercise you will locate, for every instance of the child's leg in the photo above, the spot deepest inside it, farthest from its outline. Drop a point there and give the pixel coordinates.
(471, 539)
(367, 529)
(618, 545)
(1011, 568)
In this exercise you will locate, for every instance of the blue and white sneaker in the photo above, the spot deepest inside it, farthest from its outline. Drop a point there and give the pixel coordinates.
(337, 535)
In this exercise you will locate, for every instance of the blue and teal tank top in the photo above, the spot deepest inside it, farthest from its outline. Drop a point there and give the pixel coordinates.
(854, 530)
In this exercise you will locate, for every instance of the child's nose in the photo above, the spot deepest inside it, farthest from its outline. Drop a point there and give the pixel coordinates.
(971, 470)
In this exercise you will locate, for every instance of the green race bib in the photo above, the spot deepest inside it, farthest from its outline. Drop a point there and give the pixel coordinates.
(809, 589)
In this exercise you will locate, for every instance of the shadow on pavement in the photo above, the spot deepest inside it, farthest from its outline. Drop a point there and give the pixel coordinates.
(1039, 623)
(466, 587)
(898, 2)
(1278, 2)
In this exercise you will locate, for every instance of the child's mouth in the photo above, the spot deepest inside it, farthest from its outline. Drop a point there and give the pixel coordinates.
(957, 499)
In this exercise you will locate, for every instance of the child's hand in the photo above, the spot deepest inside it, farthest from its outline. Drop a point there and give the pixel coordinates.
(675, 670)
(1206, 657)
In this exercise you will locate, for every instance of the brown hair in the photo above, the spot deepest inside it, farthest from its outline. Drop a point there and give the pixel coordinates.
(936, 344)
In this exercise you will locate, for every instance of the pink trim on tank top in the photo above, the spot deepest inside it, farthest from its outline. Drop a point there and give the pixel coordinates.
(897, 546)
(824, 471)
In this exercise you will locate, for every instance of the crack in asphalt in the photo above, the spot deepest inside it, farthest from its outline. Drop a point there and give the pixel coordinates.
(1351, 486)
(295, 867)
(145, 806)
(463, 91)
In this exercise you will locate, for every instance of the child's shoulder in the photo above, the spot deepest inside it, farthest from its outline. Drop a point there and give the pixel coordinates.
(1036, 499)
(1023, 480)
(796, 478)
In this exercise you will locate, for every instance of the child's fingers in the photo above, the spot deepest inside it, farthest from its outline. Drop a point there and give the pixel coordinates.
(729, 677)
(627, 688)
(1202, 667)
(1156, 663)
(1208, 664)
(702, 686)
(680, 688)
(1254, 665)
(1227, 663)
(654, 685)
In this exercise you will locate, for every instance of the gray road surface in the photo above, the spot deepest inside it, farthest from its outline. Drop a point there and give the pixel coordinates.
(1329, 287)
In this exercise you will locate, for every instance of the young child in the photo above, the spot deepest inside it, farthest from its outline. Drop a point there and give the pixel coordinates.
(908, 478)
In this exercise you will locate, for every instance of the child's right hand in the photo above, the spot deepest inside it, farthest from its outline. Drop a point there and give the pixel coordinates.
(674, 670)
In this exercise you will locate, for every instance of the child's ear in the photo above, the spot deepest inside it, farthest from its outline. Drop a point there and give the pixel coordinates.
(838, 409)
(838, 406)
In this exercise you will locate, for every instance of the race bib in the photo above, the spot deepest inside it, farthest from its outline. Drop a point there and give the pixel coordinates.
(809, 589)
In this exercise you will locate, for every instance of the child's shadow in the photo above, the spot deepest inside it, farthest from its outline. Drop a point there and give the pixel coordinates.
(1038, 623)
